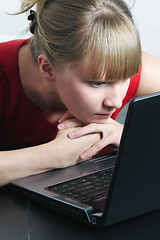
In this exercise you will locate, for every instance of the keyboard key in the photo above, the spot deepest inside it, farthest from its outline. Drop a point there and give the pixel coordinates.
(86, 188)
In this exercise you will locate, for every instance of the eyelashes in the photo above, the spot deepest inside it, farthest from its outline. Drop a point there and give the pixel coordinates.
(98, 84)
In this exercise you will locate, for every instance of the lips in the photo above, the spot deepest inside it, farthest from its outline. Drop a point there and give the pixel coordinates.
(101, 115)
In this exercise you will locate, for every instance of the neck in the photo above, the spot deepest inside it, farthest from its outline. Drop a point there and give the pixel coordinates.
(41, 93)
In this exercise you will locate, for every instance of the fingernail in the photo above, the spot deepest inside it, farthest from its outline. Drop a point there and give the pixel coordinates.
(61, 126)
(71, 135)
(83, 156)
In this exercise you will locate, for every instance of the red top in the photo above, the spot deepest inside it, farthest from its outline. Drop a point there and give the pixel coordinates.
(21, 123)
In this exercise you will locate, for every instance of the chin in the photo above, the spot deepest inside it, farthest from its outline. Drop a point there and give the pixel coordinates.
(98, 121)
(93, 119)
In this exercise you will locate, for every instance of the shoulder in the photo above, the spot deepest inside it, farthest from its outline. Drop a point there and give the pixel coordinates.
(9, 62)
(150, 75)
(8, 70)
(9, 51)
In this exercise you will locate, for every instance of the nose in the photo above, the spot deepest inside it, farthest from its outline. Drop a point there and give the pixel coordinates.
(112, 103)
(113, 99)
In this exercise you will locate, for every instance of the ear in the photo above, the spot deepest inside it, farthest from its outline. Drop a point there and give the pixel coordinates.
(45, 67)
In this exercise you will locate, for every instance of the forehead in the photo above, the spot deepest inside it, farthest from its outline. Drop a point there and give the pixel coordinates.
(85, 67)
(110, 69)
(88, 70)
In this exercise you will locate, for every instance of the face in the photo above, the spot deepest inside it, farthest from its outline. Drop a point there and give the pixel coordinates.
(89, 100)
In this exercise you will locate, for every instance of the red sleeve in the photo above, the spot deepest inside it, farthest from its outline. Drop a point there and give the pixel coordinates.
(1, 96)
(8, 59)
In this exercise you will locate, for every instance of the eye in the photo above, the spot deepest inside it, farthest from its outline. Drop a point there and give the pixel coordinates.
(96, 83)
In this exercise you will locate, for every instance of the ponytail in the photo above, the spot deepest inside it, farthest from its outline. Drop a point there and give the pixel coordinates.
(28, 4)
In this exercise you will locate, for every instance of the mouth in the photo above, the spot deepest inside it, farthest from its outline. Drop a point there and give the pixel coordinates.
(102, 115)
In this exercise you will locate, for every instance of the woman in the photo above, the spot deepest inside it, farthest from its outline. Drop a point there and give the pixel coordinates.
(82, 65)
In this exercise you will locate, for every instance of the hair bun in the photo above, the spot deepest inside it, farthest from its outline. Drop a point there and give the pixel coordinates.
(32, 17)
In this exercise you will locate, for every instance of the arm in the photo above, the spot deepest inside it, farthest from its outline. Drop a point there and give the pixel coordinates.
(59, 153)
(150, 75)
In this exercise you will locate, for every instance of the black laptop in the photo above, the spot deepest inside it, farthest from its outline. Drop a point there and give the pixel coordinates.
(113, 188)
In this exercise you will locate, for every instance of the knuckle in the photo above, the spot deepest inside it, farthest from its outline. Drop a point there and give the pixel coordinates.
(92, 125)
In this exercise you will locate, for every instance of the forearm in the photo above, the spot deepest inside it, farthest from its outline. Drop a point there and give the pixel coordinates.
(59, 153)
(21, 163)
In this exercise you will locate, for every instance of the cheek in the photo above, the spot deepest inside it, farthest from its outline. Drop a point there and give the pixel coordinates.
(124, 89)
(72, 97)
(79, 103)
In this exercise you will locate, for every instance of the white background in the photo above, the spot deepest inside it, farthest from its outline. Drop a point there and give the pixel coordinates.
(145, 12)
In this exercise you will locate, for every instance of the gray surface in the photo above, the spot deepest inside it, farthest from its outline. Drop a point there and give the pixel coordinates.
(24, 220)
(13, 216)
(121, 117)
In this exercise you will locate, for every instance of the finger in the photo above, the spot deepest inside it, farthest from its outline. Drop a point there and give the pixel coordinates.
(69, 123)
(95, 148)
(91, 128)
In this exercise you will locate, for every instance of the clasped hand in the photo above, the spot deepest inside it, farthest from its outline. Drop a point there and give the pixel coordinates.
(110, 132)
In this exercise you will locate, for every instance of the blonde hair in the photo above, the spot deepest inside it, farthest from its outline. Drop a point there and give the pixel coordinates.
(70, 30)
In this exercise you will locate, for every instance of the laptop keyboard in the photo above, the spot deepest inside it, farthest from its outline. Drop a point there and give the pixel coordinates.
(87, 188)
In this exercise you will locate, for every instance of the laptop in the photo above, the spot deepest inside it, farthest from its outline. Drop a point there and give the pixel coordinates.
(130, 176)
